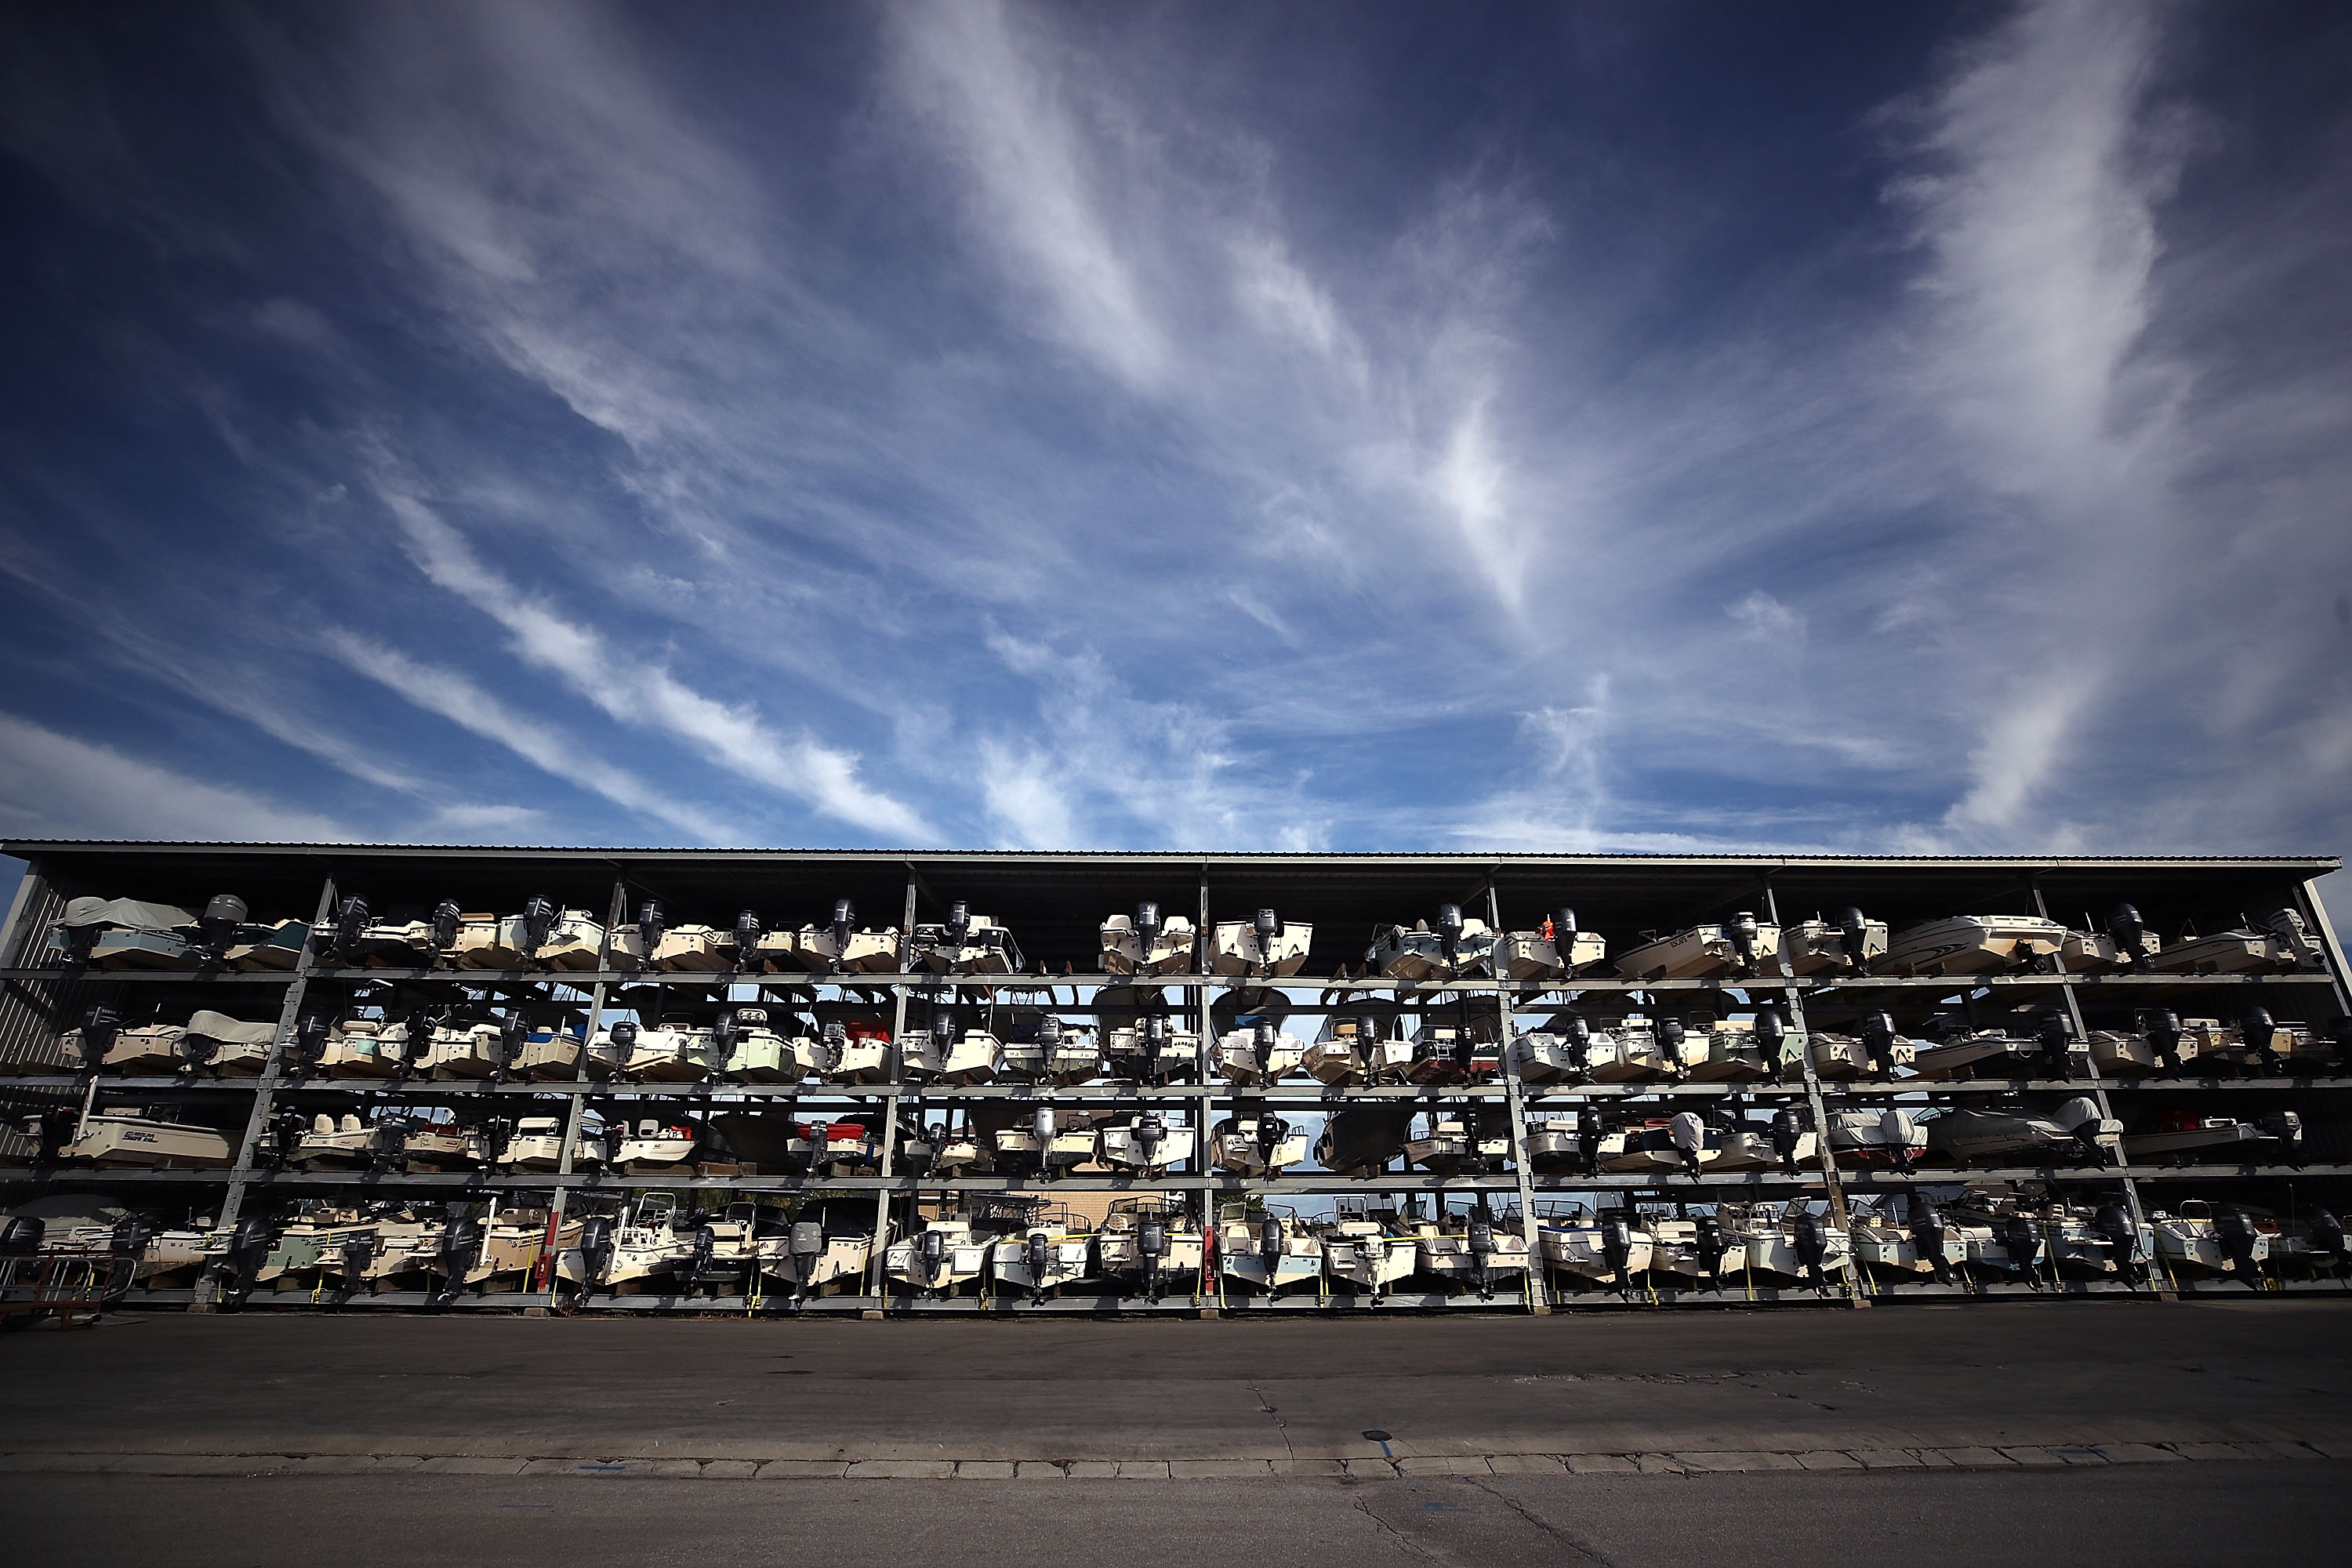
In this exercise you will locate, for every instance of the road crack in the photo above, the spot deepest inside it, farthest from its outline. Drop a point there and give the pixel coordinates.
(1407, 1542)
(1583, 1552)
(1278, 1426)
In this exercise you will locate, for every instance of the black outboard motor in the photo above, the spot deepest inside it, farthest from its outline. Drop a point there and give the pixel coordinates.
(1853, 934)
(748, 932)
(651, 923)
(514, 1032)
(1563, 938)
(706, 1246)
(2287, 1126)
(1878, 1039)
(100, 1027)
(53, 1129)
(1771, 1039)
(1577, 1036)
(1268, 926)
(248, 1249)
(1152, 1034)
(196, 1052)
(845, 915)
(2056, 1034)
(446, 918)
(1041, 1127)
(1262, 1037)
(1711, 1244)
(1481, 1253)
(807, 1248)
(1787, 1135)
(1269, 1250)
(2114, 1227)
(933, 1251)
(351, 920)
(2127, 932)
(2162, 1025)
(622, 1037)
(538, 921)
(1929, 1238)
(722, 1043)
(958, 923)
(2235, 1232)
(1271, 1131)
(1741, 929)
(1589, 1133)
(1617, 1248)
(357, 1253)
(1813, 1249)
(2259, 1030)
(1151, 1133)
(129, 1238)
(1670, 1034)
(2327, 1238)
(1147, 934)
(2022, 1236)
(22, 1236)
(1040, 1259)
(461, 1251)
(421, 1027)
(1449, 930)
(1152, 1246)
(223, 916)
(595, 1252)
(310, 1034)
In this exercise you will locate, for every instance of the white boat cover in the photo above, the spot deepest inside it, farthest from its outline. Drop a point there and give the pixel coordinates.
(231, 1031)
(129, 913)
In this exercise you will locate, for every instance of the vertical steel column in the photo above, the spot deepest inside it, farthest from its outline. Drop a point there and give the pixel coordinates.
(876, 1266)
(551, 1240)
(1204, 1048)
(1795, 1002)
(1514, 1102)
(264, 1089)
(29, 888)
(2307, 893)
(2090, 1066)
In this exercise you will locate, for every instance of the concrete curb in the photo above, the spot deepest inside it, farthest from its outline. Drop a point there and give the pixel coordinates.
(1407, 1469)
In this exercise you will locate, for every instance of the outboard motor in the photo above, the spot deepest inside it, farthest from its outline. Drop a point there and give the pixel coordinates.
(1271, 1131)
(1149, 1134)
(1262, 1037)
(196, 1052)
(54, 1129)
(351, 920)
(446, 918)
(2056, 1034)
(1741, 929)
(1689, 1133)
(933, 1250)
(309, 1043)
(807, 1246)
(1589, 1133)
(22, 1236)
(1771, 1039)
(2287, 1126)
(1147, 934)
(1929, 1238)
(748, 932)
(2022, 1236)
(223, 916)
(1617, 1248)
(706, 1246)
(595, 1252)
(1813, 1241)
(2114, 1225)
(1878, 1039)
(622, 1037)
(128, 1239)
(248, 1249)
(461, 1248)
(1449, 930)
(2080, 1116)
(100, 1027)
(958, 923)
(1711, 1244)
(1670, 1036)
(1153, 1033)
(2163, 1026)
(2328, 1236)
(418, 1044)
(1895, 1131)
(1788, 1134)
(1481, 1253)
(722, 1042)
(357, 1253)
(1041, 1127)
(1269, 1250)
(1853, 934)
(514, 1032)
(651, 923)
(918, 1148)
(1577, 1036)
(537, 921)
(2235, 1232)
(1040, 1259)
(1267, 926)
(2127, 932)
(1152, 1246)
(1563, 938)
(2260, 1032)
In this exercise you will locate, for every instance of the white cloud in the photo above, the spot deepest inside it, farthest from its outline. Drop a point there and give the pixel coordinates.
(55, 785)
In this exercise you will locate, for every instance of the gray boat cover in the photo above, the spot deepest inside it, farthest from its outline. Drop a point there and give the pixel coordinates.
(231, 1031)
(129, 913)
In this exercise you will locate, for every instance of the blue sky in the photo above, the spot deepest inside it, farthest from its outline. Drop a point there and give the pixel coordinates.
(1650, 426)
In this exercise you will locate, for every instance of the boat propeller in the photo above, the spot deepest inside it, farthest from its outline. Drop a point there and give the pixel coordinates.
(2127, 932)
(1689, 1133)
(1771, 1039)
(2287, 1126)
(446, 917)
(416, 1040)
(22, 1236)
(1788, 1134)
(1041, 1126)
(223, 916)
(248, 1249)
(2115, 1228)
(1269, 1250)
(1262, 1036)
(1813, 1249)
(1927, 1238)
(1878, 1039)
(310, 1042)
(99, 1025)
(1149, 1133)
(514, 1032)
(1853, 934)
(461, 1245)
(2235, 1232)
(356, 1253)
(959, 924)
(723, 1033)
(538, 923)
(2163, 1028)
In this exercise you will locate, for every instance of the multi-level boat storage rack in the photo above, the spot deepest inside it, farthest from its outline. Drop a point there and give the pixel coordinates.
(1054, 905)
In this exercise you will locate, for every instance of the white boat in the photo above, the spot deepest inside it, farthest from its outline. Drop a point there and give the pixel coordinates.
(427, 1145)
(2181, 1137)
(942, 1259)
(1145, 1142)
(1790, 1242)
(2074, 1134)
(1786, 1145)
(1258, 1052)
(1264, 945)
(575, 941)
(2199, 1240)
(396, 944)
(643, 1255)
(101, 1041)
(1681, 1144)
(1456, 948)
(965, 943)
(1987, 1053)
(1923, 1248)
(1536, 954)
(1886, 1136)
(492, 942)
(1540, 1056)
(266, 948)
(1152, 1246)
(1151, 1049)
(1472, 1251)
(1728, 1053)
(1840, 1059)
(1050, 1142)
(470, 1051)
(1363, 1139)
(358, 1048)
(217, 1043)
(1364, 1252)
(824, 949)
(126, 1137)
(860, 1052)
(1273, 1242)
(2118, 1055)
(1255, 1145)
(1145, 944)
(694, 948)
(669, 1053)
(1973, 944)
(746, 1045)
(1336, 1057)
(1849, 945)
(1628, 1053)
(2284, 946)
(1738, 947)
(1458, 1143)
(126, 934)
(537, 1145)
(654, 1146)
(1604, 1250)
(2099, 953)
(825, 1251)
(348, 1142)
(1052, 1257)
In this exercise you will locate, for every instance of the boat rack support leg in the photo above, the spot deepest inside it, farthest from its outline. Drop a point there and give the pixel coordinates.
(1840, 1214)
(1538, 1291)
(265, 1094)
(551, 1239)
(878, 1261)
(2313, 911)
